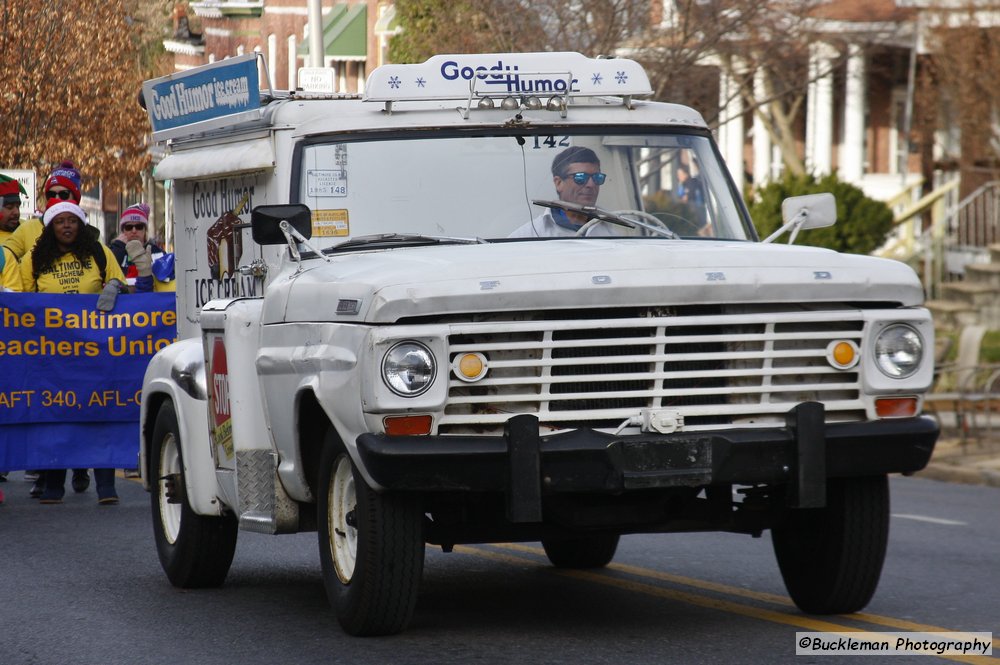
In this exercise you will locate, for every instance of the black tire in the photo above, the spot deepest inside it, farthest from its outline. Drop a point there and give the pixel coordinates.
(831, 558)
(371, 547)
(594, 551)
(195, 550)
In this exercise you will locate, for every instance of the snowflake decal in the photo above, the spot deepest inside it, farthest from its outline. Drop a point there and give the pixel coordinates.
(394, 82)
(621, 77)
(421, 82)
(597, 79)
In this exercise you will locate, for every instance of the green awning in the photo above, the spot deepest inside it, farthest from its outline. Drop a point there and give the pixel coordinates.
(345, 33)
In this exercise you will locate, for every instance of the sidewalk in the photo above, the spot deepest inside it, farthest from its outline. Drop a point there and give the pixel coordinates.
(976, 462)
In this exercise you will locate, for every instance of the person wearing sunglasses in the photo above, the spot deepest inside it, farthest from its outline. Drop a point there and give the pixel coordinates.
(577, 177)
(132, 248)
(63, 184)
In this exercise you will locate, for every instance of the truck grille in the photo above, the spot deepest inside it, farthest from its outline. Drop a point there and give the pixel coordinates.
(718, 370)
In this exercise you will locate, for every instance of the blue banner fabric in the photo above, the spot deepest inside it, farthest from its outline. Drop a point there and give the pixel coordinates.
(71, 377)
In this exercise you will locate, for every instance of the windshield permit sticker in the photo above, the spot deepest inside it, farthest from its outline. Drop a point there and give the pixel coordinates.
(326, 182)
(330, 223)
(331, 181)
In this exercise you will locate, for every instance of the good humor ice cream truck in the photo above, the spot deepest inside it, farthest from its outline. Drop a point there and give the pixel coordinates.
(412, 318)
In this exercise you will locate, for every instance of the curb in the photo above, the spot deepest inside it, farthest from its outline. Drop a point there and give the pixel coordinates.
(959, 474)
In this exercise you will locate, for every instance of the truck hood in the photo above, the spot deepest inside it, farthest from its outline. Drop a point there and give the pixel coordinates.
(385, 286)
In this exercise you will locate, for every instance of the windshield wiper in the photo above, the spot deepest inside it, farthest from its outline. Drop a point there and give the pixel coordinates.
(618, 217)
(379, 240)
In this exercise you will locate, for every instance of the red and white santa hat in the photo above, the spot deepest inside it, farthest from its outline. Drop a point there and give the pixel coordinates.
(56, 206)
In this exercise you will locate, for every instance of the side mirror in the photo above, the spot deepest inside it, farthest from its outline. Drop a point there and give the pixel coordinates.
(265, 222)
(816, 210)
(811, 211)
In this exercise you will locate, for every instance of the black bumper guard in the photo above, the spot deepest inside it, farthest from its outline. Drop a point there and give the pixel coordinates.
(526, 466)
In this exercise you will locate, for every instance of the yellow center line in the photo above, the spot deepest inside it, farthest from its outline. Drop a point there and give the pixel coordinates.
(798, 621)
(668, 577)
(876, 619)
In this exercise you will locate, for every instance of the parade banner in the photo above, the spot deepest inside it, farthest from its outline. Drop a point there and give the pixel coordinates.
(71, 377)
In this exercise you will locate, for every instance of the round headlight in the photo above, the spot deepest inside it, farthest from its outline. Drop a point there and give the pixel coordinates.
(898, 351)
(408, 369)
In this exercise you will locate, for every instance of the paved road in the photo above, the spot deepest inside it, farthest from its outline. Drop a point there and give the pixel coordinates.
(81, 584)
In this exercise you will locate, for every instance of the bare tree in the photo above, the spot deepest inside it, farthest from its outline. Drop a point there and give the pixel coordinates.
(962, 70)
(592, 27)
(71, 85)
(684, 46)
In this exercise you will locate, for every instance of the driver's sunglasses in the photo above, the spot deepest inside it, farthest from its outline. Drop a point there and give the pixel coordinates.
(64, 194)
(581, 177)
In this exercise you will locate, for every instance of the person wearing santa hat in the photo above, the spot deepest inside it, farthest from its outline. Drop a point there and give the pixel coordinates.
(69, 259)
(63, 184)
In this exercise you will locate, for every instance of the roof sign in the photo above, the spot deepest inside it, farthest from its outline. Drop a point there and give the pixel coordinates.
(316, 79)
(216, 94)
(503, 74)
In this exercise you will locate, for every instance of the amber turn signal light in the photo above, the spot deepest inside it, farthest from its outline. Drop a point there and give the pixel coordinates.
(896, 407)
(407, 425)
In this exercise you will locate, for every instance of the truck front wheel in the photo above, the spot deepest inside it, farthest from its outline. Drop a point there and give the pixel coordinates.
(594, 551)
(371, 547)
(195, 550)
(831, 558)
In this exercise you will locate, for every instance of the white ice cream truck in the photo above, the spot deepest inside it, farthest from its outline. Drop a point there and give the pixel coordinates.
(365, 352)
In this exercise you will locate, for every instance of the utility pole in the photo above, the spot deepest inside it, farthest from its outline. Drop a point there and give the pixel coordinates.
(315, 34)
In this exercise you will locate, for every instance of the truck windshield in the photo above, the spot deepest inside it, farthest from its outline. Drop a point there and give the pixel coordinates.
(512, 185)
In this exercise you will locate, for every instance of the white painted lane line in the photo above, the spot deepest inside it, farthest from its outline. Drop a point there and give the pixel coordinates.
(932, 520)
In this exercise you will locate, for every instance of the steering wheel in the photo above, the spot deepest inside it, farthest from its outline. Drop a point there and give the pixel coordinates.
(662, 228)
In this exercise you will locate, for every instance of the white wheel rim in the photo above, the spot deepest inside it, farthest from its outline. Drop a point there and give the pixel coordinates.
(343, 537)
(170, 464)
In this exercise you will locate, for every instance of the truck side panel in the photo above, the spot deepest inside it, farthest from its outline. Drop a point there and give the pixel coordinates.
(245, 458)
(208, 220)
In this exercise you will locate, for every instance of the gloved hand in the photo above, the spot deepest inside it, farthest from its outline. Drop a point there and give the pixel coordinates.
(139, 256)
(106, 301)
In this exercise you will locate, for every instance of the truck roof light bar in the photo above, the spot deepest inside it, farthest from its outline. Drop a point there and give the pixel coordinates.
(513, 102)
(530, 80)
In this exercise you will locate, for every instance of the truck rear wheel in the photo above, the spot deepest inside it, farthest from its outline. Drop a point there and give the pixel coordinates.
(371, 547)
(831, 558)
(195, 550)
(594, 551)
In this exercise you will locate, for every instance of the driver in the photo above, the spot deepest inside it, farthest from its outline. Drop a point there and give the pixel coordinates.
(576, 174)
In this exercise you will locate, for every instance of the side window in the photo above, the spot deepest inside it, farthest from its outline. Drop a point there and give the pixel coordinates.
(673, 189)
